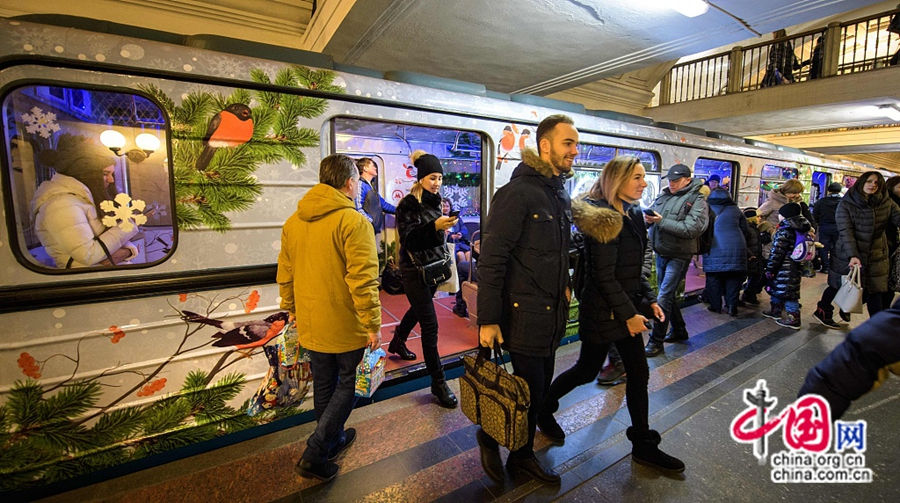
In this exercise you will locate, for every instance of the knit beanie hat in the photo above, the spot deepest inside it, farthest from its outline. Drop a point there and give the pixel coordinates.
(790, 210)
(78, 156)
(750, 212)
(426, 165)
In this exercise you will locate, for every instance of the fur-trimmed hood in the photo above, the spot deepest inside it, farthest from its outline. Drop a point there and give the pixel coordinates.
(531, 157)
(602, 224)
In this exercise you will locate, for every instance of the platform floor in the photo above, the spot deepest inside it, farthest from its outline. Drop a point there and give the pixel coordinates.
(409, 449)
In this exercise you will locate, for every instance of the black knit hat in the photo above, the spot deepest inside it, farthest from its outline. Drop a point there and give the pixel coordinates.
(750, 212)
(427, 164)
(790, 210)
(834, 187)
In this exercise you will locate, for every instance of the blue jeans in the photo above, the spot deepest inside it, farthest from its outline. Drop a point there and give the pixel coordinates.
(791, 306)
(334, 386)
(669, 273)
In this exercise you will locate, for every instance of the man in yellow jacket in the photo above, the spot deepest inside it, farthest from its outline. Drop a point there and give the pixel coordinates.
(328, 279)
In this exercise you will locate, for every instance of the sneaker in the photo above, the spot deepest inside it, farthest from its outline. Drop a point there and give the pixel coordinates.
(825, 319)
(551, 429)
(654, 348)
(349, 437)
(789, 320)
(322, 471)
(772, 313)
(844, 316)
(611, 375)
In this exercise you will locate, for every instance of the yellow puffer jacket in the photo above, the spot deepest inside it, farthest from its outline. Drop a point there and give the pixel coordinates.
(328, 272)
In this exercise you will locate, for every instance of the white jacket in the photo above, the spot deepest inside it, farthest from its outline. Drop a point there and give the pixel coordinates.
(66, 223)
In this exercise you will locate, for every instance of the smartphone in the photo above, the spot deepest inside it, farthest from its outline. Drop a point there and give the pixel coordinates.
(650, 212)
(454, 214)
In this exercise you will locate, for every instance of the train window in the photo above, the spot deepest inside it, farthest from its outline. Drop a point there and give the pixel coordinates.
(710, 169)
(89, 178)
(596, 156)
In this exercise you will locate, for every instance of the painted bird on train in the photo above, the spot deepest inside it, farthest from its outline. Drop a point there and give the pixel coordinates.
(241, 335)
(231, 127)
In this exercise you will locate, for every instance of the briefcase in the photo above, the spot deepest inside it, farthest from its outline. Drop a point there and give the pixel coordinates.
(495, 399)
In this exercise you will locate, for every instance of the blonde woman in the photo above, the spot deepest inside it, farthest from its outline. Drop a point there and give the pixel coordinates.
(617, 303)
(421, 227)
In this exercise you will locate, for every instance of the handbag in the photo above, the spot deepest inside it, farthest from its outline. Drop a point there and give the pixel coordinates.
(436, 272)
(849, 296)
(370, 372)
(452, 284)
(495, 399)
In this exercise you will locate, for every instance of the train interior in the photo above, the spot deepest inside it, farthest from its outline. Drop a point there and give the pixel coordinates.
(390, 145)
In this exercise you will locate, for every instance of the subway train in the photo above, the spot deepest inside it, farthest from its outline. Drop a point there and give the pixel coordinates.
(167, 337)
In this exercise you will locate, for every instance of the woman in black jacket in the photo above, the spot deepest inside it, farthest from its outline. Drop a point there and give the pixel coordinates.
(863, 218)
(613, 297)
(422, 227)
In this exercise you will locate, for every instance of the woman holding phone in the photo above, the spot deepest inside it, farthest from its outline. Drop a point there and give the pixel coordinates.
(614, 296)
(421, 227)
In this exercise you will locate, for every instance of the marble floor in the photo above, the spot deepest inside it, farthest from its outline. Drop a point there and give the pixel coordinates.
(409, 449)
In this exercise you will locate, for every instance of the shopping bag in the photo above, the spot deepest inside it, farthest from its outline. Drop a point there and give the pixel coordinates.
(288, 378)
(849, 296)
(452, 284)
(370, 372)
(495, 399)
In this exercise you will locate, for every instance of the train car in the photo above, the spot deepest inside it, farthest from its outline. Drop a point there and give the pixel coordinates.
(156, 328)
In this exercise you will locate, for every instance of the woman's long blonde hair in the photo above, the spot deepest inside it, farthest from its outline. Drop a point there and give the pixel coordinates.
(792, 186)
(416, 189)
(614, 175)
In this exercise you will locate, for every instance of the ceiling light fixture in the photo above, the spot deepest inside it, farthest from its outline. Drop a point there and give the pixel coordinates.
(115, 141)
(890, 111)
(691, 8)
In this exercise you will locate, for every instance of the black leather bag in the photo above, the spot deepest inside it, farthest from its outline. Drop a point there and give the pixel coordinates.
(435, 272)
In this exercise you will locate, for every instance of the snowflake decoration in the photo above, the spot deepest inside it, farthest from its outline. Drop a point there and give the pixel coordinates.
(125, 212)
(40, 122)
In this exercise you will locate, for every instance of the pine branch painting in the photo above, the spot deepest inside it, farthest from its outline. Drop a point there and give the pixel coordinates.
(219, 141)
(52, 433)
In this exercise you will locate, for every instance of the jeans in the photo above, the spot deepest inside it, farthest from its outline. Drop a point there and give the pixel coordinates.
(334, 386)
(791, 306)
(537, 372)
(723, 283)
(590, 359)
(669, 273)
(421, 310)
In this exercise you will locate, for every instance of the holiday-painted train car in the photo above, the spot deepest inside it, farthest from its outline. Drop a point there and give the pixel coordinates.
(145, 183)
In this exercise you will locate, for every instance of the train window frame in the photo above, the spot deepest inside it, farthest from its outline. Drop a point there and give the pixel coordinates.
(619, 150)
(15, 232)
(732, 187)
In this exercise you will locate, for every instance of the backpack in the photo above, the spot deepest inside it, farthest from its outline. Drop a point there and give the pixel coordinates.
(804, 248)
(705, 240)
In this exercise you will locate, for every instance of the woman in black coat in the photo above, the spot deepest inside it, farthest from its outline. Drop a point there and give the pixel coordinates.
(863, 217)
(422, 227)
(614, 294)
(726, 263)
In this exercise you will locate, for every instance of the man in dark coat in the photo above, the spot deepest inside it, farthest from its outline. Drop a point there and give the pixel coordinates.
(858, 364)
(523, 278)
(824, 211)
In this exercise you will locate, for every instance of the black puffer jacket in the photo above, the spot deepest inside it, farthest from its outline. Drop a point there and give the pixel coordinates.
(614, 288)
(523, 272)
(824, 211)
(787, 272)
(415, 225)
(862, 223)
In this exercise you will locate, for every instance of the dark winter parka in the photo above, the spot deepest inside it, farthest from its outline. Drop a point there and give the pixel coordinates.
(614, 287)
(523, 272)
(824, 210)
(730, 235)
(862, 224)
(787, 273)
(415, 225)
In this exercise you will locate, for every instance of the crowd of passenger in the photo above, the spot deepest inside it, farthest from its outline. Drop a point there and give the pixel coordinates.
(524, 258)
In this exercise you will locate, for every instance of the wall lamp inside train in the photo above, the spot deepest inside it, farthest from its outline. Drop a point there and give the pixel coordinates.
(890, 111)
(115, 141)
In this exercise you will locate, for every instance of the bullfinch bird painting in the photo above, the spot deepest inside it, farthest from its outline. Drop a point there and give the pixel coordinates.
(242, 335)
(231, 127)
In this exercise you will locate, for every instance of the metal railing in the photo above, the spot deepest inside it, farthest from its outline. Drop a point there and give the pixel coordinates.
(841, 48)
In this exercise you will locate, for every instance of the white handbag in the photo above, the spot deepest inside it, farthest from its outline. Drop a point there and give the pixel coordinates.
(850, 295)
(452, 284)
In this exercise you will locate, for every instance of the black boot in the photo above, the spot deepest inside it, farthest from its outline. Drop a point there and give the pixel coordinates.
(612, 374)
(490, 456)
(645, 450)
(444, 396)
(551, 429)
(398, 347)
(528, 465)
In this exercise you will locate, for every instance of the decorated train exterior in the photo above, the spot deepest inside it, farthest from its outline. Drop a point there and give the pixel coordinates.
(184, 342)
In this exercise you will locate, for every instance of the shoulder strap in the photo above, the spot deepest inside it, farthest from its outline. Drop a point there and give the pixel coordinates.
(102, 245)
